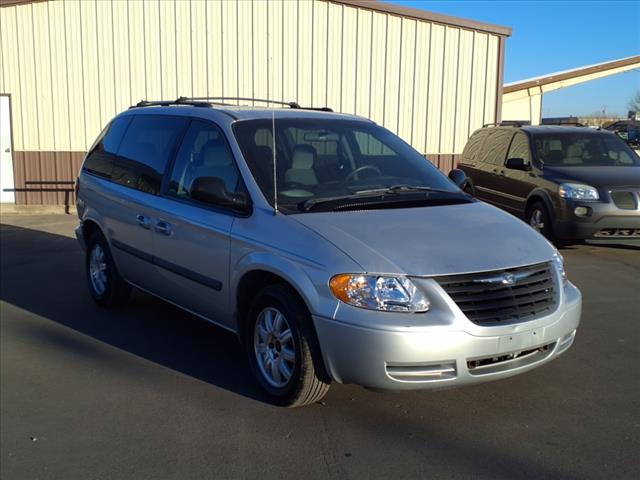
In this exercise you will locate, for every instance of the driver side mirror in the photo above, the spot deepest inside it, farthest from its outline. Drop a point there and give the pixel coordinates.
(212, 190)
(517, 164)
(458, 177)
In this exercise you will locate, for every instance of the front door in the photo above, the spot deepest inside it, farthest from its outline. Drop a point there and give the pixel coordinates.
(492, 159)
(517, 184)
(6, 158)
(191, 238)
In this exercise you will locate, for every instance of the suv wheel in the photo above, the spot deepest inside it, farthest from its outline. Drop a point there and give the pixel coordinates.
(107, 287)
(283, 350)
(538, 218)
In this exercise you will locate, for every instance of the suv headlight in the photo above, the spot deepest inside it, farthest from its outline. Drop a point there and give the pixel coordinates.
(378, 292)
(578, 191)
(558, 261)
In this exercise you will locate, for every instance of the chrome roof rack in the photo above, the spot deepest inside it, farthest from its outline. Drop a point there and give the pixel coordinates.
(508, 123)
(210, 101)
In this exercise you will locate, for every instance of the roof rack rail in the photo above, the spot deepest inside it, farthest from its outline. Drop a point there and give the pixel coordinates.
(165, 103)
(245, 99)
(210, 101)
(260, 100)
(508, 123)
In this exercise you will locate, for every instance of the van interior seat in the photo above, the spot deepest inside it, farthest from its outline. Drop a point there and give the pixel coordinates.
(302, 161)
(574, 155)
(215, 160)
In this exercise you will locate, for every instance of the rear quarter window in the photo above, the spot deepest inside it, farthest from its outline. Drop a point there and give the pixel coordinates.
(145, 151)
(101, 156)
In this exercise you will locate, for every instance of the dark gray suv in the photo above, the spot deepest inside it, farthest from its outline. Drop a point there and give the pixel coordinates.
(567, 182)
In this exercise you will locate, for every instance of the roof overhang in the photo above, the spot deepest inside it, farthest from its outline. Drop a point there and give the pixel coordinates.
(419, 14)
(557, 80)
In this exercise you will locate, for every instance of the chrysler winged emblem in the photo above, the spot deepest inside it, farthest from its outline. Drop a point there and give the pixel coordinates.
(505, 278)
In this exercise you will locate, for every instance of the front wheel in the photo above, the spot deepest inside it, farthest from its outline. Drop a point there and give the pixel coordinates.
(539, 219)
(283, 350)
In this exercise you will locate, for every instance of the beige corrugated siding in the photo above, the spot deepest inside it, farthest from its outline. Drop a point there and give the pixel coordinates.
(70, 66)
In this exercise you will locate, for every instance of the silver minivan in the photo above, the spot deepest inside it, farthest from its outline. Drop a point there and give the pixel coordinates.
(332, 249)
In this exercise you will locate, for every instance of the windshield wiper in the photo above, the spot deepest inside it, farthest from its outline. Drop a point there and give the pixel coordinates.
(311, 203)
(405, 188)
(372, 193)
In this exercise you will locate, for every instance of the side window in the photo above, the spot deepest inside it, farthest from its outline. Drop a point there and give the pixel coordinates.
(495, 147)
(520, 148)
(102, 154)
(370, 146)
(474, 145)
(145, 150)
(204, 152)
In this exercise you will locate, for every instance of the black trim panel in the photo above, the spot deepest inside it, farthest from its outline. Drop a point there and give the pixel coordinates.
(132, 251)
(188, 274)
(171, 267)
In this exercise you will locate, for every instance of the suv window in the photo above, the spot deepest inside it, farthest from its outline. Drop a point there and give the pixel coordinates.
(495, 147)
(101, 155)
(588, 149)
(474, 145)
(369, 145)
(145, 150)
(520, 148)
(204, 153)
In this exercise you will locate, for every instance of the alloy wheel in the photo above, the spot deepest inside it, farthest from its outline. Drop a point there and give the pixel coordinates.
(274, 347)
(98, 269)
(536, 220)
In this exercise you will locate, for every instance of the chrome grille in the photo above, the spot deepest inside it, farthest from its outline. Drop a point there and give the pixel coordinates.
(624, 200)
(504, 296)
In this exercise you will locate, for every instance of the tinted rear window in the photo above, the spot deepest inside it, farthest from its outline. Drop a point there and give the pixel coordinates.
(145, 151)
(101, 157)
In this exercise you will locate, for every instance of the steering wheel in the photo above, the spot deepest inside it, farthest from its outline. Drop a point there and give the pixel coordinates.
(362, 169)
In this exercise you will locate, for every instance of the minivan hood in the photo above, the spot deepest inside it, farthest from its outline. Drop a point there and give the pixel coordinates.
(596, 176)
(436, 240)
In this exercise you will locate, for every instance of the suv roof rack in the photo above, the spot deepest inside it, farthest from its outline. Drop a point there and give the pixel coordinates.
(508, 123)
(210, 101)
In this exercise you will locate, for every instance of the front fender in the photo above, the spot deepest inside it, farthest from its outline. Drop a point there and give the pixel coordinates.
(309, 282)
(542, 194)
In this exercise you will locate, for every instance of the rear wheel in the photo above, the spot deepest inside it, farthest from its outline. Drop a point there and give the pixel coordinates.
(283, 350)
(106, 286)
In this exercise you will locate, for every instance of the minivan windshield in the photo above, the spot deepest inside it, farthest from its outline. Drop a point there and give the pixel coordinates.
(588, 149)
(336, 161)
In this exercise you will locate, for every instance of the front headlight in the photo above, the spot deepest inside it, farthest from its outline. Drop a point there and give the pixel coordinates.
(558, 261)
(578, 191)
(378, 292)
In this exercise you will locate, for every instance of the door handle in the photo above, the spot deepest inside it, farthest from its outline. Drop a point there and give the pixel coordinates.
(163, 227)
(144, 221)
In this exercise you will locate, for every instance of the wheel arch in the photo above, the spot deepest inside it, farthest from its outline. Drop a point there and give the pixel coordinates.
(540, 195)
(258, 270)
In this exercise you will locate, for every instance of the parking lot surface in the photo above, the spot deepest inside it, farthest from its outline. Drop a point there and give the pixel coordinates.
(148, 391)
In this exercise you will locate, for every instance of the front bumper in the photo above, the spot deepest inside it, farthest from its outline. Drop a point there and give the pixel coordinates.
(445, 356)
(605, 220)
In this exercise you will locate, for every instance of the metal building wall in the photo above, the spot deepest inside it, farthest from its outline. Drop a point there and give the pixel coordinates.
(70, 66)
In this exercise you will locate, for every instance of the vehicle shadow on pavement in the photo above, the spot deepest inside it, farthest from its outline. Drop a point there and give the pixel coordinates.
(43, 273)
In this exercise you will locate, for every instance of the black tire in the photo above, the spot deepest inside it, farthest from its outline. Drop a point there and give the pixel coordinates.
(308, 382)
(537, 213)
(116, 291)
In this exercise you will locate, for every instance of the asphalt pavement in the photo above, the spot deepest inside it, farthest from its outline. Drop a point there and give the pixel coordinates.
(150, 392)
